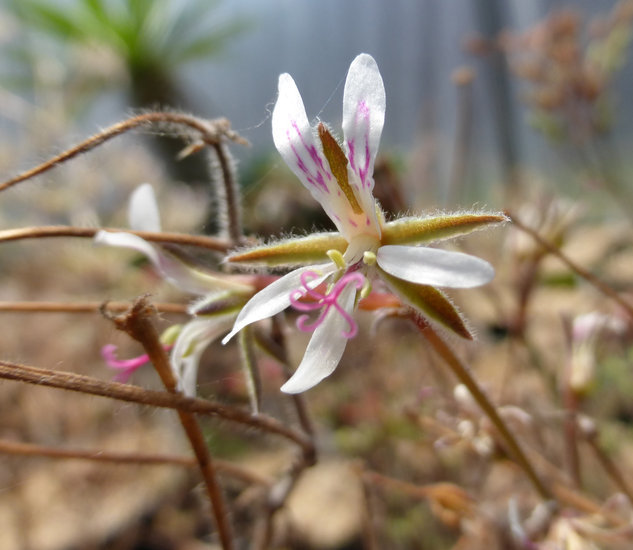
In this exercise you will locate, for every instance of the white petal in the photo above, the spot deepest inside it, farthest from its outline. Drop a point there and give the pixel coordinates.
(171, 269)
(325, 348)
(297, 143)
(364, 105)
(301, 148)
(194, 338)
(431, 266)
(143, 212)
(276, 297)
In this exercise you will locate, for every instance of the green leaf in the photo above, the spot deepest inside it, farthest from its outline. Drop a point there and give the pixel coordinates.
(208, 44)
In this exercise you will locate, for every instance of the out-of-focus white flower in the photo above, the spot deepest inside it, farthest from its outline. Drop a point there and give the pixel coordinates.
(214, 313)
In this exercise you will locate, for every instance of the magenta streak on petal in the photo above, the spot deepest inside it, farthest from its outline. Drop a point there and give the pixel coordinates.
(368, 222)
(352, 158)
(324, 302)
(365, 171)
(313, 152)
(318, 181)
(363, 113)
(352, 222)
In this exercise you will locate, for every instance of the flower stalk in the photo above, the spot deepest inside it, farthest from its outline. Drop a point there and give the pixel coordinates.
(464, 376)
(137, 323)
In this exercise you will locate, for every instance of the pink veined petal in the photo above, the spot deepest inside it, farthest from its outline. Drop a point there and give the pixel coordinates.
(325, 348)
(435, 267)
(143, 212)
(298, 144)
(364, 103)
(174, 271)
(194, 338)
(276, 297)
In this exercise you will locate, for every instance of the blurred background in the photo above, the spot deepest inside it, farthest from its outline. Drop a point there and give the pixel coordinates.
(498, 103)
(463, 95)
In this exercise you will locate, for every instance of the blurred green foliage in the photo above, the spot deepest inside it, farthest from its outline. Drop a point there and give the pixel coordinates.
(152, 38)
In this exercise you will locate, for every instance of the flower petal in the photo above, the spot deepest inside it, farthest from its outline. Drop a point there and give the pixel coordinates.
(364, 105)
(325, 348)
(296, 142)
(194, 338)
(276, 297)
(143, 212)
(171, 269)
(431, 266)
(299, 146)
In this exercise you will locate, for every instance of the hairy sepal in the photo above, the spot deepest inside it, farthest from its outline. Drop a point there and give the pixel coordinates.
(291, 252)
(430, 302)
(413, 230)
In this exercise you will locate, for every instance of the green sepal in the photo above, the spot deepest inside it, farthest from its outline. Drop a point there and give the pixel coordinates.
(250, 370)
(414, 230)
(429, 301)
(294, 251)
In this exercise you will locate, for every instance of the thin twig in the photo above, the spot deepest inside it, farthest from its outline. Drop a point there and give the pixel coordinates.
(211, 132)
(229, 195)
(135, 394)
(590, 432)
(83, 307)
(96, 455)
(46, 231)
(137, 322)
(464, 376)
(571, 403)
(589, 277)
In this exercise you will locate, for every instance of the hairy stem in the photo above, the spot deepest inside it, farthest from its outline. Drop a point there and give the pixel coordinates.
(465, 377)
(135, 394)
(211, 132)
(228, 195)
(83, 307)
(137, 322)
(46, 231)
(145, 459)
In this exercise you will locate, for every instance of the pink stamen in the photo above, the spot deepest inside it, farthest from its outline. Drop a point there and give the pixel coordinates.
(324, 302)
(127, 367)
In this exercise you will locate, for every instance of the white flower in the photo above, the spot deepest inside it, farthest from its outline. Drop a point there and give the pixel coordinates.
(214, 313)
(366, 250)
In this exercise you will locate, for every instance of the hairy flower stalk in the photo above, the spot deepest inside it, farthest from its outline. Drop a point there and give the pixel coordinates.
(339, 269)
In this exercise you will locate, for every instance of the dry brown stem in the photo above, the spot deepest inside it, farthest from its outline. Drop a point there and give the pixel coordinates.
(145, 459)
(135, 394)
(83, 307)
(589, 277)
(463, 374)
(40, 232)
(211, 132)
(137, 322)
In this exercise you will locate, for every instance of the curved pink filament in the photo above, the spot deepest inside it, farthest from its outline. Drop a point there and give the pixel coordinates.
(127, 367)
(325, 301)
